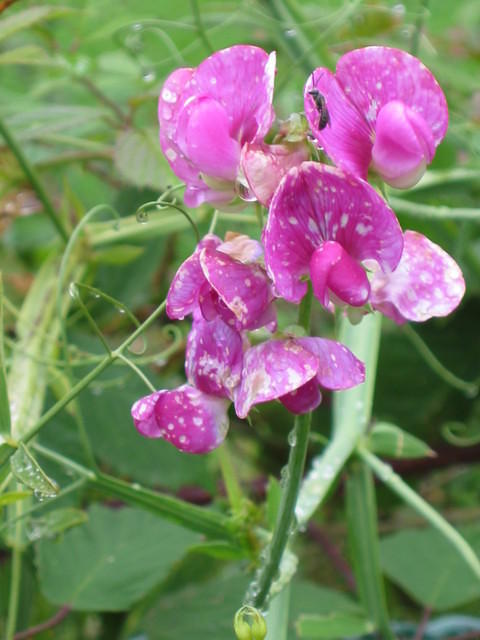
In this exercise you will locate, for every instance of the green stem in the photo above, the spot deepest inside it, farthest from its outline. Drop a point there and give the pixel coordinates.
(234, 491)
(277, 617)
(470, 389)
(197, 16)
(352, 409)
(94, 373)
(417, 33)
(296, 43)
(364, 546)
(419, 210)
(293, 478)
(16, 574)
(34, 180)
(210, 523)
(387, 475)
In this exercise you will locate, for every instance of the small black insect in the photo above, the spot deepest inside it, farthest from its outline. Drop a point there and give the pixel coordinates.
(321, 104)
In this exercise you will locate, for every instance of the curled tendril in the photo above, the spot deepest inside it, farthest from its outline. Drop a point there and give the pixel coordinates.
(456, 433)
(161, 204)
(75, 289)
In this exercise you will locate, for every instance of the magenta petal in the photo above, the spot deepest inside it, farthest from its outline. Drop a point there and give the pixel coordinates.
(333, 270)
(426, 283)
(338, 368)
(241, 79)
(182, 297)
(403, 146)
(243, 288)
(213, 359)
(347, 138)
(304, 399)
(205, 138)
(373, 76)
(265, 165)
(315, 204)
(143, 414)
(192, 421)
(271, 370)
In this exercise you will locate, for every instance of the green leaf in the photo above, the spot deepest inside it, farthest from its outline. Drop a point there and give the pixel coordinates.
(424, 564)
(29, 54)
(333, 625)
(4, 403)
(139, 158)
(119, 254)
(26, 469)
(205, 610)
(111, 561)
(387, 439)
(13, 496)
(55, 522)
(27, 18)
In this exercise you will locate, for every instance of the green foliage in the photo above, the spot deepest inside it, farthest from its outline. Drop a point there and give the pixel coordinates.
(422, 564)
(111, 561)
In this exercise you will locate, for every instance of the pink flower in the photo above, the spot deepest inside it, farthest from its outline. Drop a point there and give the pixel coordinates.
(225, 280)
(324, 224)
(194, 417)
(292, 370)
(426, 283)
(208, 113)
(386, 112)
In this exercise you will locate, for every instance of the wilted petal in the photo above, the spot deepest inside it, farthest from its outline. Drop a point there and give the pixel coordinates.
(315, 204)
(192, 421)
(182, 297)
(304, 399)
(271, 370)
(426, 283)
(241, 79)
(205, 138)
(338, 368)
(213, 358)
(243, 288)
(347, 137)
(241, 247)
(403, 146)
(265, 165)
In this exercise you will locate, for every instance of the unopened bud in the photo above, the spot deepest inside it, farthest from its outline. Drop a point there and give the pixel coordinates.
(249, 624)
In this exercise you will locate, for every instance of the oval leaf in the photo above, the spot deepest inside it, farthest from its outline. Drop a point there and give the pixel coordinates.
(387, 439)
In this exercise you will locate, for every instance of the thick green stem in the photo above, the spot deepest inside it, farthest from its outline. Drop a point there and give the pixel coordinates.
(13, 602)
(34, 180)
(398, 486)
(234, 491)
(352, 410)
(364, 547)
(292, 480)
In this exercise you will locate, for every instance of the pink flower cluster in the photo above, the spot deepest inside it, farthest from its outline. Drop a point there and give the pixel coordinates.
(382, 111)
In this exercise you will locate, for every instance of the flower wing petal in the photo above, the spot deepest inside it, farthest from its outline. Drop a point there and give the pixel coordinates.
(271, 370)
(338, 368)
(192, 421)
(427, 283)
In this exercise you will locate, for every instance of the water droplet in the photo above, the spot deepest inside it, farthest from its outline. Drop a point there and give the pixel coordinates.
(284, 476)
(290, 33)
(292, 438)
(148, 75)
(73, 290)
(142, 216)
(121, 310)
(138, 26)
